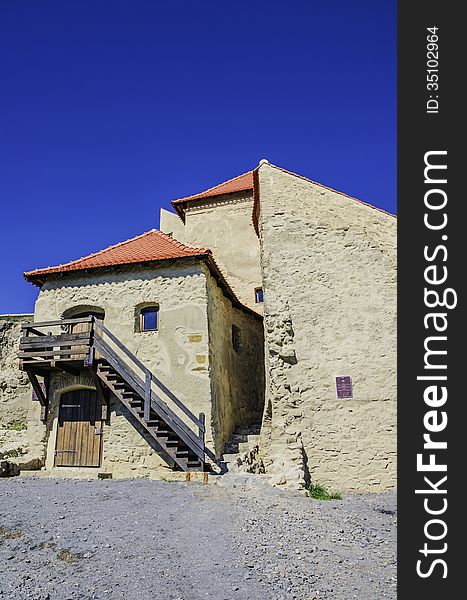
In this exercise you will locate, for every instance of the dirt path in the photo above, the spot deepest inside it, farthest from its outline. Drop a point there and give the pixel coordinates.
(141, 540)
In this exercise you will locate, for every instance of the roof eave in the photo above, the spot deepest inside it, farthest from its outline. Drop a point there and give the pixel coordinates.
(180, 210)
(181, 204)
(206, 257)
(226, 289)
(40, 278)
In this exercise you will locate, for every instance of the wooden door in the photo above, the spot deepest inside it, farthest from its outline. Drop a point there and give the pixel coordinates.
(79, 433)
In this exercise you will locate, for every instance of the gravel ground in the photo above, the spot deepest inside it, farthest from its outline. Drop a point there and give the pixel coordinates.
(141, 540)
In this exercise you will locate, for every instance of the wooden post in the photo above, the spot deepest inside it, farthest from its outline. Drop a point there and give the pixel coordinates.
(43, 400)
(147, 397)
(103, 393)
(89, 358)
(202, 418)
(45, 409)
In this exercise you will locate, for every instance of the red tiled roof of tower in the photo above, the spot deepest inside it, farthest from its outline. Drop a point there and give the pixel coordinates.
(241, 183)
(151, 246)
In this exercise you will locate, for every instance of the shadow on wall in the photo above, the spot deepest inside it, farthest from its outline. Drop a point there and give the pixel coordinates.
(84, 310)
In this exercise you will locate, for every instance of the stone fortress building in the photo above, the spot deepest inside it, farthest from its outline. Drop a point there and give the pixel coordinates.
(255, 330)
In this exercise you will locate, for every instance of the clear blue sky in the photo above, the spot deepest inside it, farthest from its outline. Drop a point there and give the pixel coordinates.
(109, 109)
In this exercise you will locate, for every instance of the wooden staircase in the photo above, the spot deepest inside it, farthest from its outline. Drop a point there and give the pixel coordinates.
(179, 450)
(174, 428)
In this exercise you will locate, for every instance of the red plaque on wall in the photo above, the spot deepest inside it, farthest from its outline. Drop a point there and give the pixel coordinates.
(344, 387)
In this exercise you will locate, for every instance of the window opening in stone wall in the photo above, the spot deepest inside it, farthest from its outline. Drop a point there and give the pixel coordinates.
(236, 338)
(149, 318)
(259, 295)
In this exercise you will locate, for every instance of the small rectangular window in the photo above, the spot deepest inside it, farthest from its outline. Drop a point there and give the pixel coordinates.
(149, 318)
(236, 339)
(259, 295)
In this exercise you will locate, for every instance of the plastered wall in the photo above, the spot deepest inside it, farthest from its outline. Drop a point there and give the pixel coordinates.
(329, 271)
(224, 225)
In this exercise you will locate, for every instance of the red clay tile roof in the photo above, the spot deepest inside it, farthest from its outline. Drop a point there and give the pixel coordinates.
(151, 246)
(241, 183)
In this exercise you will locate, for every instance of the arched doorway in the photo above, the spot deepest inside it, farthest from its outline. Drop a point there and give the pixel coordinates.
(80, 312)
(79, 431)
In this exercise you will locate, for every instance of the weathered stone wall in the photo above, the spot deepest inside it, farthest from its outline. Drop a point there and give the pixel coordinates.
(15, 391)
(21, 434)
(237, 376)
(329, 274)
(224, 224)
(177, 353)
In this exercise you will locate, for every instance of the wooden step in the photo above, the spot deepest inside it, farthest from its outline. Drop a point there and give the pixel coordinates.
(188, 456)
(136, 401)
(163, 432)
(121, 385)
(193, 464)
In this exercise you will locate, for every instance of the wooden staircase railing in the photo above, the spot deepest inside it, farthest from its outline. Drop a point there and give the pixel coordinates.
(40, 352)
(145, 388)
